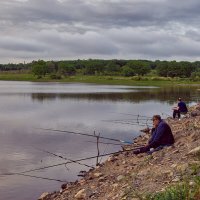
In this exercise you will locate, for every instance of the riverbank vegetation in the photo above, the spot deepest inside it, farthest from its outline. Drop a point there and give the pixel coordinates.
(127, 72)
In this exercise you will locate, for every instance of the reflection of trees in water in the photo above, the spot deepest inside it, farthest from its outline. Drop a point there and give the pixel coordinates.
(43, 96)
(169, 94)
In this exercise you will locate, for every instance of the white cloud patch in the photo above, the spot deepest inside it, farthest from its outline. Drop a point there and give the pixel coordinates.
(68, 29)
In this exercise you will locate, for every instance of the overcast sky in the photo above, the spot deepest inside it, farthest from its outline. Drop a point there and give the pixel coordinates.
(105, 29)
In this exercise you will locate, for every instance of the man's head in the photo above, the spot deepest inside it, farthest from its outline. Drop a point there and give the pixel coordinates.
(179, 99)
(156, 120)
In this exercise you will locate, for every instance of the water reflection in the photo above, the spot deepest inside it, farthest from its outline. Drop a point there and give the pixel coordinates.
(169, 94)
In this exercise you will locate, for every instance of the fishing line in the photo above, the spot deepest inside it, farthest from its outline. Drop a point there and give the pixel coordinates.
(85, 134)
(28, 175)
(88, 158)
(104, 152)
(63, 158)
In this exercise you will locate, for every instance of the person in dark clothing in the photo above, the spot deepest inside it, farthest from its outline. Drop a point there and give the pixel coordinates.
(180, 109)
(161, 136)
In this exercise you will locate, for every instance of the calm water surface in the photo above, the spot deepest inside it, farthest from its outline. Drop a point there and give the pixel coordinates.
(28, 107)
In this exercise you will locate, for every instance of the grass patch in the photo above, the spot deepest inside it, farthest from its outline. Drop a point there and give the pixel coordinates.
(186, 190)
(17, 77)
(182, 191)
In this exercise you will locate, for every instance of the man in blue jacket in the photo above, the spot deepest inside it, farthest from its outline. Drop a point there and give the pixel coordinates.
(181, 108)
(161, 136)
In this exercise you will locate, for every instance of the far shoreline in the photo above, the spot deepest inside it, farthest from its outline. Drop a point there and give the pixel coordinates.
(109, 80)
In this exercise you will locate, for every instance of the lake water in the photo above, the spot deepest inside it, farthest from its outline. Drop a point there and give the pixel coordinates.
(28, 108)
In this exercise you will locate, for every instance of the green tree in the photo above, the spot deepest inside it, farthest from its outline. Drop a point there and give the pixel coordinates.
(127, 71)
(175, 69)
(162, 68)
(39, 68)
(66, 68)
(94, 67)
(139, 67)
(52, 67)
(112, 68)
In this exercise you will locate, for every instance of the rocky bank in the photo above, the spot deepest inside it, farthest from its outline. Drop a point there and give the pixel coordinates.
(128, 176)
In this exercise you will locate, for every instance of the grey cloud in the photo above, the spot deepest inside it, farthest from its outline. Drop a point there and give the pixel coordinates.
(90, 43)
(153, 43)
(194, 34)
(101, 13)
(68, 29)
(10, 43)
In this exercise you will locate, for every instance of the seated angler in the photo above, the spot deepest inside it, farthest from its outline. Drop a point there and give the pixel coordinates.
(180, 109)
(161, 137)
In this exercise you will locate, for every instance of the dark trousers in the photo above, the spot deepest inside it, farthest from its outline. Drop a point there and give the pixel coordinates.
(176, 112)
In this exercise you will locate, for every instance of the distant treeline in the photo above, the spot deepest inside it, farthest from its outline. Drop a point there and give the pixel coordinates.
(58, 69)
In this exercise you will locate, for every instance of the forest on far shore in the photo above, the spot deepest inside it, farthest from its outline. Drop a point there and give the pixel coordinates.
(126, 68)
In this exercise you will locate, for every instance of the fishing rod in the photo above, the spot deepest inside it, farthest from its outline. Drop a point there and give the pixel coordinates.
(28, 175)
(132, 123)
(127, 120)
(88, 158)
(85, 134)
(109, 143)
(163, 113)
(137, 117)
(64, 158)
(104, 143)
(143, 116)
